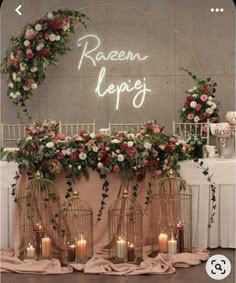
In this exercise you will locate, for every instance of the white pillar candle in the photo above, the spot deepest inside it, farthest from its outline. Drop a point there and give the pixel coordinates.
(46, 247)
(30, 250)
(121, 249)
(163, 243)
(172, 246)
(81, 249)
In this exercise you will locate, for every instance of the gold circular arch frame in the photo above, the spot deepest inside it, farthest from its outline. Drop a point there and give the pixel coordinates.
(184, 39)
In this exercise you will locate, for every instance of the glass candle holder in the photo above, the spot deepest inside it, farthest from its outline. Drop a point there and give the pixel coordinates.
(179, 236)
(71, 251)
(81, 249)
(38, 233)
(30, 251)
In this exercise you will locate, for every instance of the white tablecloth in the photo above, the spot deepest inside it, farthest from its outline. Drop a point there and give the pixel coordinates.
(222, 232)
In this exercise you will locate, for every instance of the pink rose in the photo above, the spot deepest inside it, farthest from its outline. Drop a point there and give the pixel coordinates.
(116, 168)
(198, 107)
(90, 142)
(18, 52)
(29, 55)
(162, 146)
(190, 116)
(203, 97)
(156, 130)
(101, 146)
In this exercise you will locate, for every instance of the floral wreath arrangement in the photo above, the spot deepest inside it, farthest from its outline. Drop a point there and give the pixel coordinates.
(50, 152)
(200, 103)
(34, 49)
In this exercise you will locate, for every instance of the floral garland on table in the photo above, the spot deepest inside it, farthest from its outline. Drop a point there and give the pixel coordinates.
(200, 103)
(34, 49)
(45, 149)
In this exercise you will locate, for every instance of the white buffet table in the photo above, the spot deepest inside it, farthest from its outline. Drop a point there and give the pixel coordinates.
(222, 232)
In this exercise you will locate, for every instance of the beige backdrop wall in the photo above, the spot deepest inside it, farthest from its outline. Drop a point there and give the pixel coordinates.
(174, 32)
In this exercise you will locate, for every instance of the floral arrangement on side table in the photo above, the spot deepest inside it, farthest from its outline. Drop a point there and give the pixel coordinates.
(131, 155)
(36, 46)
(200, 103)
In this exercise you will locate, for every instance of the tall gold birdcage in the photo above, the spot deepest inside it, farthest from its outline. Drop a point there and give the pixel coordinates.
(125, 230)
(38, 205)
(171, 212)
(76, 218)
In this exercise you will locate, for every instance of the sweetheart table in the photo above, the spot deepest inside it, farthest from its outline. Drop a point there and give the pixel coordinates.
(221, 234)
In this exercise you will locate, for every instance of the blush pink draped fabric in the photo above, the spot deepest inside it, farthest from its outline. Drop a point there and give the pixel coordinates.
(161, 264)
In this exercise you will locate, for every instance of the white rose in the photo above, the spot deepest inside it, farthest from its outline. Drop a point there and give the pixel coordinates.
(213, 106)
(195, 95)
(95, 149)
(12, 95)
(14, 76)
(65, 28)
(79, 167)
(210, 98)
(130, 136)
(50, 16)
(183, 109)
(82, 155)
(209, 110)
(147, 145)
(49, 144)
(34, 69)
(68, 151)
(115, 141)
(38, 27)
(52, 37)
(26, 88)
(209, 103)
(18, 94)
(39, 46)
(11, 85)
(196, 119)
(130, 143)
(193, 104)
(26, 43)
(34, 85)
(92, 136)
(28, 138)
(120, 157)
(99, 165)
(58, 37)
(22, 66)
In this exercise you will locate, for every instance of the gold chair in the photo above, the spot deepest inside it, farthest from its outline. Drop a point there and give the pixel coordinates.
(11, 133)
(185, 130)
(125, 127)
(72, 129)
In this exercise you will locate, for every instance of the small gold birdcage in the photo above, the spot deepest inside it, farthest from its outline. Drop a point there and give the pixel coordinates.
(171, 210)
(76, 217)
(38, 205)
(125, 231)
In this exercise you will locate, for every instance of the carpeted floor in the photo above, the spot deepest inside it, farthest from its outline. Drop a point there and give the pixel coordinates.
(194, 274)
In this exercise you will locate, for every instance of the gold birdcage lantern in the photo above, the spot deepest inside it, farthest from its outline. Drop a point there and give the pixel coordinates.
(125, 231)
(38, 204)
(171, 212)
(76, 217)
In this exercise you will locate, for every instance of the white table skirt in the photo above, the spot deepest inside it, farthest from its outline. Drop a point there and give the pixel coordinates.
(222, 232)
